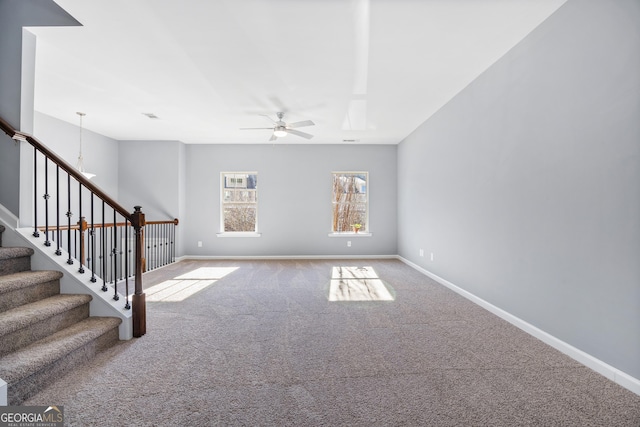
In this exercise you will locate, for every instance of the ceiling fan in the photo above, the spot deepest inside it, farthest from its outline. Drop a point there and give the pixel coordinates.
(281, 129)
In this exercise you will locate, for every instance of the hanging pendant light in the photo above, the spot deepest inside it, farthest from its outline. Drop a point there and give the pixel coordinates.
(80, 164)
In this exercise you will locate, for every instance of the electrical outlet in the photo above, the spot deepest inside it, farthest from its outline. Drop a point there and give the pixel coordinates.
(431, 256)
(421, 252)
(199, 243)
(348, 243)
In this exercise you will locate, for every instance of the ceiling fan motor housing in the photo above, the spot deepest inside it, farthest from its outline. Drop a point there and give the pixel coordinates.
(282, 129)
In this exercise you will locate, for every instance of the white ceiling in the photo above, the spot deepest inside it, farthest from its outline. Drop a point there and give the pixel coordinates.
(369, 70)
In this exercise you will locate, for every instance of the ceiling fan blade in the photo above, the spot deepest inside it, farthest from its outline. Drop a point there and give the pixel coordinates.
(298, 133)
(273, 137)
(255, 128)
(300, 124)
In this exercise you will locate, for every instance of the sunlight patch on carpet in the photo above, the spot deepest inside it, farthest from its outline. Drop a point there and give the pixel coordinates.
(357, 284)
(207, 273)
(182, 287)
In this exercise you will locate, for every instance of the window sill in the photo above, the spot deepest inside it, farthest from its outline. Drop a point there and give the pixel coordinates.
(351, 234)
(239, 234)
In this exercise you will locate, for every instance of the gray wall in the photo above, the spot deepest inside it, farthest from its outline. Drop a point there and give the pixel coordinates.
(294, 191)
(13, 16)
(152, 175)
(149, 174)
(99, 152)
(526, 186)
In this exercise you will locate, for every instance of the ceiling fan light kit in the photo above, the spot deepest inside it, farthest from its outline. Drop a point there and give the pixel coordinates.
(282, 129)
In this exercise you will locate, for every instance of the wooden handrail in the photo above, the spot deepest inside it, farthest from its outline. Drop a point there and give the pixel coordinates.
(111, 225)
(64, 165)
(169, 221)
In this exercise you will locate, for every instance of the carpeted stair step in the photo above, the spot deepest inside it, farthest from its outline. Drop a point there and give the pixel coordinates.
(28, 323)
(43, 334)
(29, 369)
(27, 286)
(14, 260)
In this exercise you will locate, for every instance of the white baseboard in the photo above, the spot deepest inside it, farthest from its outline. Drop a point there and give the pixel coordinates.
(625, 380)
(277, 257)
(10, 219)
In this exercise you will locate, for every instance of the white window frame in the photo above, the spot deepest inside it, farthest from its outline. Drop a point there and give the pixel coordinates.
(366, 230)
(223, 188)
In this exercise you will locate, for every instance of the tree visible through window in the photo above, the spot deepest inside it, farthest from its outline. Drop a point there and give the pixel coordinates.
(350, 202)
(239, 201)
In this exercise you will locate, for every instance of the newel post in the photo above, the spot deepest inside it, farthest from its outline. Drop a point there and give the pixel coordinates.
(139, 301)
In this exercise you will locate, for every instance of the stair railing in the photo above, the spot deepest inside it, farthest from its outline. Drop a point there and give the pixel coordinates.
(100, 236)
(92, 242)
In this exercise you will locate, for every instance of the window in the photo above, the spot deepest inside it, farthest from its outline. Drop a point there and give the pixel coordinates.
(350, 202)
(239, 202)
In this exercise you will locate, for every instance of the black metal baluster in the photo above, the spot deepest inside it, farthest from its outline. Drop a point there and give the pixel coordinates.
(169, 243)
(118, 254)
(92, 233)
(58, 251)
(173, 240)
(36, 233)
(127, 306)
(69, 214)
(107, 254)
(103, 261)
(160, 245)
(148, 238)
(110, 250)
(121, 253)
(130, 252)
(165, 241)
(116, 297)
(47, 242)
(81, 224)
(166, 244)
(155, 245)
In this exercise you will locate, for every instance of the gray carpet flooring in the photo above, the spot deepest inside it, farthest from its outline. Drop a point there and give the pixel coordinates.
(259, 343)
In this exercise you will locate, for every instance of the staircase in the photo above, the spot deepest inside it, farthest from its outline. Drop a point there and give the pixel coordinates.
(43, 334)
